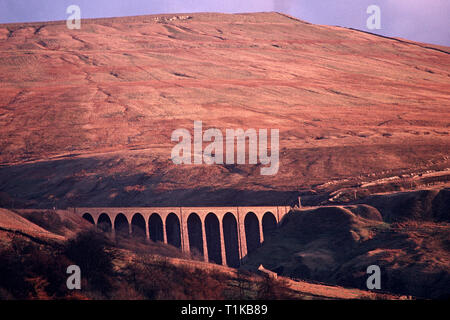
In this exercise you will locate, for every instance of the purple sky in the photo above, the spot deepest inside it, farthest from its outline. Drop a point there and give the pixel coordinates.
(419, 20)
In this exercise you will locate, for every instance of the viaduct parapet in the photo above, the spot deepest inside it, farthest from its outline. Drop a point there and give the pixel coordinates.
(223, 235)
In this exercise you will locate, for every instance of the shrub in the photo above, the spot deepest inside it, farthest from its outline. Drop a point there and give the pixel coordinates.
(93, 253)
(162, 280)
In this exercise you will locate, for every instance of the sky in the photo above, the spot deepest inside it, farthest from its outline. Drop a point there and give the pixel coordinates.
(418, 20)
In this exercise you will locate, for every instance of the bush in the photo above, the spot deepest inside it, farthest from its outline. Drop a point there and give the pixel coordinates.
(273, 289)
(162, 280)
(13, 275)
(47, 220)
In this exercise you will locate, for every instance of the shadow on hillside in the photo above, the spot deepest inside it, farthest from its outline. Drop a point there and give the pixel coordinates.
(78, 183)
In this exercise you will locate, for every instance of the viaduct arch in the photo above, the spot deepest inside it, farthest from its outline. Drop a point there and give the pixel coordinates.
(223, 235)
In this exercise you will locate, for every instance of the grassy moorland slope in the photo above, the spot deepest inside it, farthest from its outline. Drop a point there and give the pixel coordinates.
(86, 115)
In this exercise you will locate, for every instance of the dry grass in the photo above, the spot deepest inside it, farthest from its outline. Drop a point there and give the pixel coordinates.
(89, 121)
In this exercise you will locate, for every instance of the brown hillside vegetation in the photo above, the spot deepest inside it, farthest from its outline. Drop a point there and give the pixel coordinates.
(86, 118)
(86, 115)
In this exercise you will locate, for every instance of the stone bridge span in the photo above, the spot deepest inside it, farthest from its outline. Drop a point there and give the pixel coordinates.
(223, 235)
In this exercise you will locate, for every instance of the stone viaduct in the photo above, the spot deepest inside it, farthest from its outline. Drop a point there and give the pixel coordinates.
(223, 235)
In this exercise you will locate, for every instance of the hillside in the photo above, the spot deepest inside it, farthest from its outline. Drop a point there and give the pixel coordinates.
(317, 252)
(33, 263)
(86, 115)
